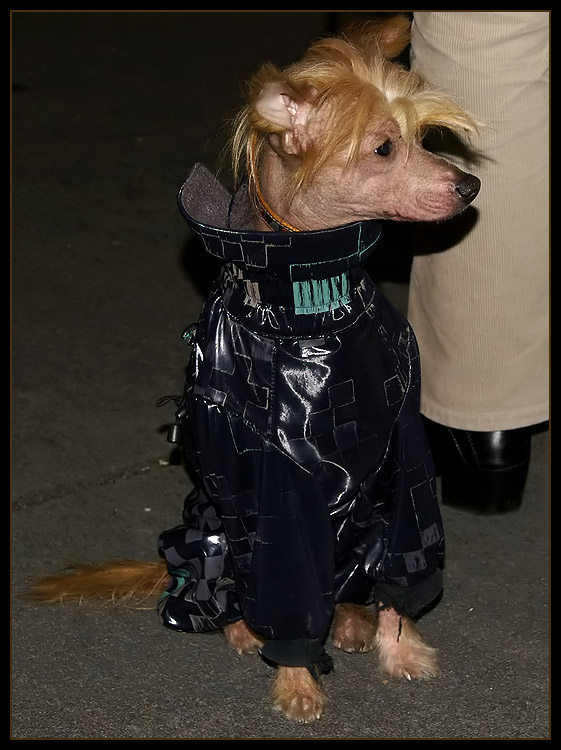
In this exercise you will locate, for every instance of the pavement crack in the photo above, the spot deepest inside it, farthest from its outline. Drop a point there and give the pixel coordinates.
(58, 490)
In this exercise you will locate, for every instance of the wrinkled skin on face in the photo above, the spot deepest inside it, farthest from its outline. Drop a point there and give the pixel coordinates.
(390, 179)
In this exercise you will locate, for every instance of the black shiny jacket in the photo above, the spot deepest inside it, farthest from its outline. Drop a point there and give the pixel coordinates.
(302, 397)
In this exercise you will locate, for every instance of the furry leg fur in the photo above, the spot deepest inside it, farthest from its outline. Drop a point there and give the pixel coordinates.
(297, 695)
(402, 651)
(354, 628)
(240, 636)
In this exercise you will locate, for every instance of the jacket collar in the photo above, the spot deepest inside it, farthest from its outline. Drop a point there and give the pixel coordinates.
(223, 224)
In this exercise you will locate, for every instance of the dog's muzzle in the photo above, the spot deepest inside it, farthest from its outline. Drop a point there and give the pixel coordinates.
(468, 187)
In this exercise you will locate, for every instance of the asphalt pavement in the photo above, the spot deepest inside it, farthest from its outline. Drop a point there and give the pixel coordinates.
(110, 110)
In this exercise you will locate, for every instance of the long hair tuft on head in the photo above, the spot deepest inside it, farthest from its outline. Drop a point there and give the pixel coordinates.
(353, 79)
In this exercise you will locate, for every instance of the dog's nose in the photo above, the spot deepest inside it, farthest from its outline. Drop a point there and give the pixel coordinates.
(468, 187)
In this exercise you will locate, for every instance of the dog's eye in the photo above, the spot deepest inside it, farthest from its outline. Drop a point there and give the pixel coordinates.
(385, 149)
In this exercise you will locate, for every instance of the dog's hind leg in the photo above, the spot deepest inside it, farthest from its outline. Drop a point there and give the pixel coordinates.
(297, 694)
(402, 651)
(354, 628)
(242, 638)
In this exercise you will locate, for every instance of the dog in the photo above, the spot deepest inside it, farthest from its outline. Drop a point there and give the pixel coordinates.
(315, 510)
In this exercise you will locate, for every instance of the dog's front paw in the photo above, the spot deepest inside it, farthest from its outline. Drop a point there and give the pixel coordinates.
(403, 653)
(354, 628)
(297, 694)
(242, 638)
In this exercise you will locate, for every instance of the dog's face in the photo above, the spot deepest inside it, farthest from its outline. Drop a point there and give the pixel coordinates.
(339, 136)
(388, 178)
(395, 180)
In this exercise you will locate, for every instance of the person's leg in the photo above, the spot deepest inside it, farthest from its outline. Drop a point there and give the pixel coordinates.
(479, 292)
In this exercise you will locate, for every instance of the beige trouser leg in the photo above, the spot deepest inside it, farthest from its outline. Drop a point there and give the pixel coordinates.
(480, 307)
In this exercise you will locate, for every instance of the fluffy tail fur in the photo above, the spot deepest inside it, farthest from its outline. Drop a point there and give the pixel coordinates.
(121, 581)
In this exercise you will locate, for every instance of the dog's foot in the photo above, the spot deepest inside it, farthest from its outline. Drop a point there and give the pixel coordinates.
(297, 694)
(354, 628)
(242, 638)
(402, 651)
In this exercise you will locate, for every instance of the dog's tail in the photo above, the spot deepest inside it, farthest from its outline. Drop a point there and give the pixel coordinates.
(120, 582)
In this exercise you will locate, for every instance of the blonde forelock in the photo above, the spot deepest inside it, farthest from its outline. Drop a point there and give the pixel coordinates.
(352, 87)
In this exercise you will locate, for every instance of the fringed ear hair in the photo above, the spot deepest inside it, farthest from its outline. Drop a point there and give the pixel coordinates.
(276, 114)
(388, 36)
(393, 34)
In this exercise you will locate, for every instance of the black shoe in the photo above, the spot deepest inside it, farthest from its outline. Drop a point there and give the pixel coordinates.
(484, 472)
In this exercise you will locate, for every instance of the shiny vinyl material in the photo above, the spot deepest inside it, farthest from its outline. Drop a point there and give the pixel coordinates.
(316, 483)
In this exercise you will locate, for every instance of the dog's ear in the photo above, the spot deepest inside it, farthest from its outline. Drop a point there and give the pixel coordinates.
(393, 34)
(387, 36)
(286, 115)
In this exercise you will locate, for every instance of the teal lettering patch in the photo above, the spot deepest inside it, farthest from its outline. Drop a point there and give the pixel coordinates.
(321, 295)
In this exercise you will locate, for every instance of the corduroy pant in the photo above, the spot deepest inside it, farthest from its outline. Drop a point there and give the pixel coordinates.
(479, 292)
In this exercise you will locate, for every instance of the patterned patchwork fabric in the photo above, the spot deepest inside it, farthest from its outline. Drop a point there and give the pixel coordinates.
(303, 425)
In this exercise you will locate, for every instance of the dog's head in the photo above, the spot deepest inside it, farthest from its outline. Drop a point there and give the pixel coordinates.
(343, 127)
